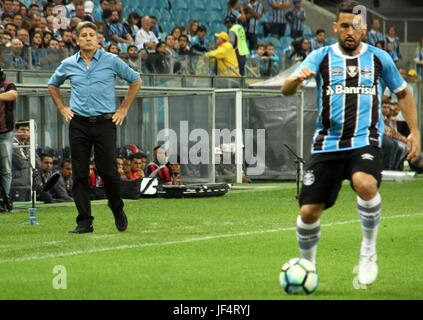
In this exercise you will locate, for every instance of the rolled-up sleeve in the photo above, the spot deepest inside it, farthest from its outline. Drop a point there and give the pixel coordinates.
(59, 76)
(125, 72)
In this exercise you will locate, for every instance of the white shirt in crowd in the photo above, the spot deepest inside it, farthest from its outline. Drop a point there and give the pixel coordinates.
(143, 37)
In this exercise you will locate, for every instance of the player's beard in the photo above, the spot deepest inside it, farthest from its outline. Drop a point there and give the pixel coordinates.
(349, 48)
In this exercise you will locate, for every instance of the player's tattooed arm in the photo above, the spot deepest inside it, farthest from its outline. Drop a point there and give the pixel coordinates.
(409, 110)
(293, 83)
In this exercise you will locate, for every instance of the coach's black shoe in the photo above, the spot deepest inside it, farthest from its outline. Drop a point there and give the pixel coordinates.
(121, 221)
(82, 229)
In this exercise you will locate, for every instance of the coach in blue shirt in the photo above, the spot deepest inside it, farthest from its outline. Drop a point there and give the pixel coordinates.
(93, 119)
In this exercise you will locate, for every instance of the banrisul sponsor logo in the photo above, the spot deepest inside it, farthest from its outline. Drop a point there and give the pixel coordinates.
(340, 89)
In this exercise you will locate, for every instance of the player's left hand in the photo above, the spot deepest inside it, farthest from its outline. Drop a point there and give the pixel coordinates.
(413, 144)
(119, 116)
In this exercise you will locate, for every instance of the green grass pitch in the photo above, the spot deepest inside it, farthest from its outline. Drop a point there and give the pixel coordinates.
(217, 248)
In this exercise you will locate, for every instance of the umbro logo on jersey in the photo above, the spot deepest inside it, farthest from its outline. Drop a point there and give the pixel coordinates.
(337, 72)
(367, 72)
(340, 89)
(367, 156)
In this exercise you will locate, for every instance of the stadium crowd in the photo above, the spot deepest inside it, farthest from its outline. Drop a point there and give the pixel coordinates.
(39, 34)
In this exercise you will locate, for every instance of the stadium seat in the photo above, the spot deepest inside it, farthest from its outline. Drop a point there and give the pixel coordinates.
(307, 31)
(285, 42)
(159, 4)
(179, 5)
(165, 15)
(199, 5)
(216, 6)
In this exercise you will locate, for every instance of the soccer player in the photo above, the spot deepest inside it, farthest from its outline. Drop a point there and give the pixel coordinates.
(348, 138)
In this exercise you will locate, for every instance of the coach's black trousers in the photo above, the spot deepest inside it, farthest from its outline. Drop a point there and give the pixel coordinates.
(83, 135)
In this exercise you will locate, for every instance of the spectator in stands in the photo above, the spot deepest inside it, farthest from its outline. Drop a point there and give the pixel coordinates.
(79, 11)
(133, 59)
(8, 7)
(176, 32)
(98, 12)
(198, 42)
(374, 35)
(157, 61)
(47, 36)
(23, 35)
(300, 50)
(88, 11)
(23, 11)
(17, 20)
(183, 58)
(236, 11)
(37, 40)
(15, 6)
(113, 48)
(253, 10)
(419, 59)
(319, 41)
(154, 27)
(6, 19)
(175, 172)
(277, 16)
(380, 45)
(170, 44)
(70, 45)
(53, 44)
(62, 189)
(296, 18)
(137, 167)
(127, 168)
(70, 8)
(192, 30)
(72, 25)
(120, 168)
(145, 37)
(6, 39)
(33, 9)
(391, 38)
(117, 32)
(144, 61)
(273, 61)
(45, 173)
(183, 46)
(132, 26)
(12, 29)
(261, 59)
(391, 50)
(14, 57)
(21, 169)
(158, 168)
(238, 39)
(227, 61)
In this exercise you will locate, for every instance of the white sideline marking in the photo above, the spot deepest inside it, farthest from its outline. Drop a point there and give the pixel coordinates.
(189, 240)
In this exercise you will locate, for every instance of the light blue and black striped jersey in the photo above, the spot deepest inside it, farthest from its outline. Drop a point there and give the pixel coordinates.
(277, 15)
(349, 96)
(374, 37)
(297, 18)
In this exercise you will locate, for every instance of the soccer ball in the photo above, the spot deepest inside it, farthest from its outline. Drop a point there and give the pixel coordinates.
(299, 276)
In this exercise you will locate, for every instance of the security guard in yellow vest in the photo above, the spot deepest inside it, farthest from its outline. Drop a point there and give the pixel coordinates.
(227, 62)
(238, 39)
